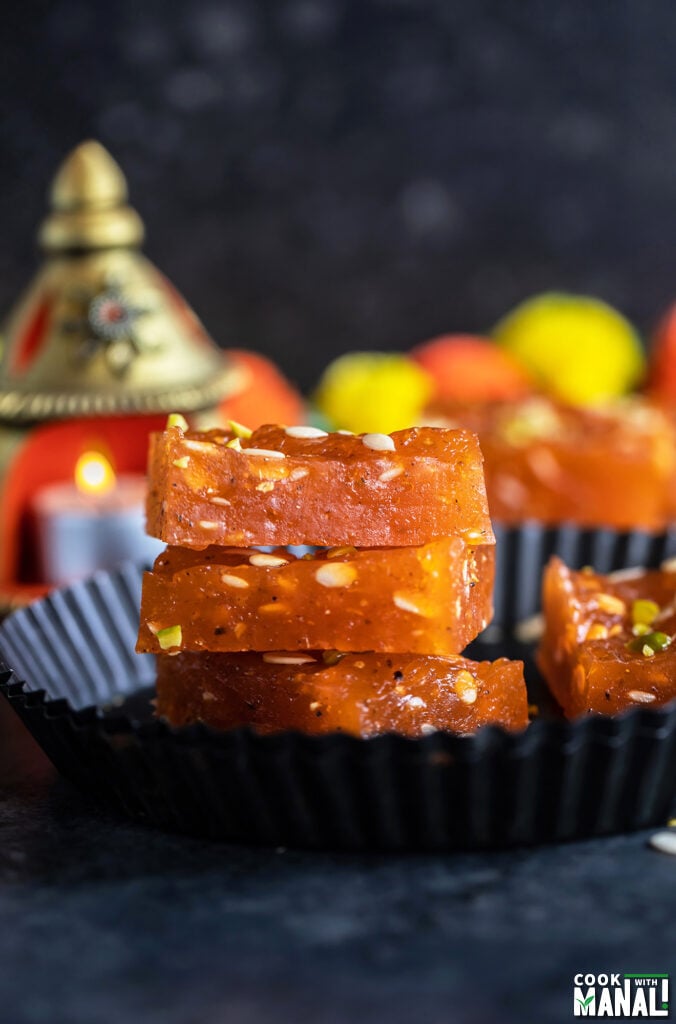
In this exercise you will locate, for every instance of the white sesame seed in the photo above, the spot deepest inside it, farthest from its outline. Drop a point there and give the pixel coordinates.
(338, 552)
(288, 659)
(305, 433)
(621, 575)
(263, 560)
(234, 581)
(264, 453)
(378, 442)
(468, 695)
(406, 604)
(336, 574)
(416, 702)
(390, 474)
(348, 433)
(641, 696)
(611, 604)
(597, 631)
(465, 687)
(664, 841)
(426, 729)
(198, 446)
(298, 474)
(209, 524)
(208, 695)
(315, 705)
(531, 629)
(219, 501)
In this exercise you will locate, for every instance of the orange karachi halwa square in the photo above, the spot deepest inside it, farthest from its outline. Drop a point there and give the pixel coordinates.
(432, 599)
(609, 466)
(282, 487)
(607, 643)
(360, 694)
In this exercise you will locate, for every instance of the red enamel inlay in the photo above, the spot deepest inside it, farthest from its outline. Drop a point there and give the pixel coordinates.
(112, 312)
(33, 337)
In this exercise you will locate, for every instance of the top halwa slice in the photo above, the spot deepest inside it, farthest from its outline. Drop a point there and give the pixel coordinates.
(298, 485)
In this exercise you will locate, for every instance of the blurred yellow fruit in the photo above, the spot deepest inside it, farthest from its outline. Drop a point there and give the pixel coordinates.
(373, 392)
(578, 348)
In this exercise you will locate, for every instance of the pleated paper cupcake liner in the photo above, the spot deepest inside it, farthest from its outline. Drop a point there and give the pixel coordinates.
(71, 674)
(523, 551)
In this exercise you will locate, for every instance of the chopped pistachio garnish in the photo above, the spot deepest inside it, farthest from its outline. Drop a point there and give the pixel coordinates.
(171, 636)
(176, 420)
(239, 430)
(235, 443)
(640, 629)
(182, 463)
(644, 612)
(649, 643)
(332, 657)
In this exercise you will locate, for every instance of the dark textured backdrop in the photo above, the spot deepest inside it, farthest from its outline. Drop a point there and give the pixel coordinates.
(325, 174)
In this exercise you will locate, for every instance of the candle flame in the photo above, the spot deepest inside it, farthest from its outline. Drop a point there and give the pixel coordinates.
(94, 474)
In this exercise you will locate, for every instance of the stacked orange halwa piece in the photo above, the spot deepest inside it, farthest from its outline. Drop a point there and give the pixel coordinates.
(362, 634)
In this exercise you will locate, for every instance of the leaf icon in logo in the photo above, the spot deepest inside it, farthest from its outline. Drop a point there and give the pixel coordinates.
(586, 1002)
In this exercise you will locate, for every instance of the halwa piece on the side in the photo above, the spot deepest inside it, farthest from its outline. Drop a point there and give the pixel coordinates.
(433, 599)
(298, 485)
(609, 466)
(607, 644)
(360, 694)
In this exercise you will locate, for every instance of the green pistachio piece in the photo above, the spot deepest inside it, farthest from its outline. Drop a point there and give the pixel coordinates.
(649, 643)
(644, 612)
(239, 430)
(172, 636)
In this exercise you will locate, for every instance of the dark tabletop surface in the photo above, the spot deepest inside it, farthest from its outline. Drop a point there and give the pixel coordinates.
(105, 921)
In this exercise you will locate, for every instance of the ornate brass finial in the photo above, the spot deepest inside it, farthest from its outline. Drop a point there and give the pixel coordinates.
(101, 331)
(89, 204)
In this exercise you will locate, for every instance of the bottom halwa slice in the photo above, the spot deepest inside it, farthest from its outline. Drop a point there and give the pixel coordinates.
(361, 694)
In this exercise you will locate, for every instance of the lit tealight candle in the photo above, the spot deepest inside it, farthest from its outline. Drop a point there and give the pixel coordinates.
(95, 522)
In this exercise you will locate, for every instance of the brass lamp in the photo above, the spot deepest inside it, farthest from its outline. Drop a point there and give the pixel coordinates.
(100, 345)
